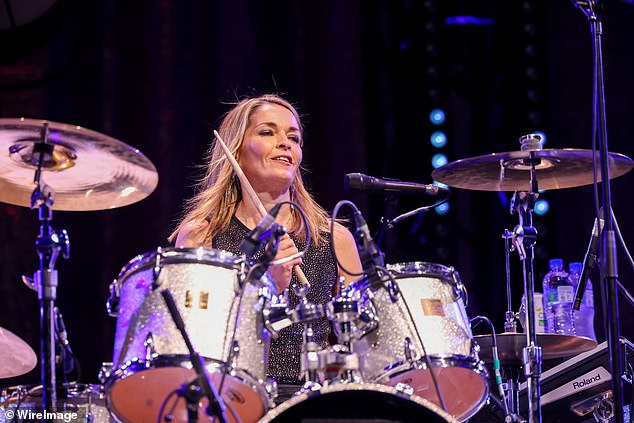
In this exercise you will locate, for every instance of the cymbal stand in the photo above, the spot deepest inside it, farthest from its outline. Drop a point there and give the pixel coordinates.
(48, 245)
(609, 268)
(524, 238)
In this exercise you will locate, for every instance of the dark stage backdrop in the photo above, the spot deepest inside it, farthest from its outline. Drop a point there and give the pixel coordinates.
(157, 75)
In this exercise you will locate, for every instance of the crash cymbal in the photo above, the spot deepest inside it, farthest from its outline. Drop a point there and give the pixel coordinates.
(86, 170)
(554, 169)
(16, 356)
(553, 345)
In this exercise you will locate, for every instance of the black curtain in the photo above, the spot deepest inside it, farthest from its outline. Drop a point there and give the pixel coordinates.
(159, 75)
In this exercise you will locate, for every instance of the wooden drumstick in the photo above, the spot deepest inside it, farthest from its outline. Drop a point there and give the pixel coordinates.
(254, 197)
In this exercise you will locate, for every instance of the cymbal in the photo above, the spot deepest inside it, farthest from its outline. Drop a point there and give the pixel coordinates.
(16, 356)
(553, 345)
(556, 169)
(86, 170)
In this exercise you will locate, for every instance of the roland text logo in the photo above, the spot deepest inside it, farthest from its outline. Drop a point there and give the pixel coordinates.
(578, 384)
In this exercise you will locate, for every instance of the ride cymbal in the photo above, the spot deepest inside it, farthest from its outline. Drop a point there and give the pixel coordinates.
(16, 356)
(554, 169)
(86, 170)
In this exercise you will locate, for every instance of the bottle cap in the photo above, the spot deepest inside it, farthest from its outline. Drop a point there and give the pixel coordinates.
(556, 263)
(575, 267)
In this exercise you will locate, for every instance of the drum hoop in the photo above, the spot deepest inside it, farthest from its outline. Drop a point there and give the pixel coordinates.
(424, 268)
(455, 360)
(347, 387)
(171, 255)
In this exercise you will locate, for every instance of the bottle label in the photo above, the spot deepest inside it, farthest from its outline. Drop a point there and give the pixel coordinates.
(566, 294)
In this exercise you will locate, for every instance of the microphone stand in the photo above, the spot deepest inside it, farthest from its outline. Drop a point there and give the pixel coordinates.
(609, 271)
(201, 386)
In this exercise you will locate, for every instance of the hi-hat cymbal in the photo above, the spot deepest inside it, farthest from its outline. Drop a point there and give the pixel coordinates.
(86, 170)
(16, 356)
(554, 169)
(553, 345)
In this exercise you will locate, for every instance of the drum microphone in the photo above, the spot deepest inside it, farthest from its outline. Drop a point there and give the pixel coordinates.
(369, 253)
(589, 261)
(361, 182)
(251, 243)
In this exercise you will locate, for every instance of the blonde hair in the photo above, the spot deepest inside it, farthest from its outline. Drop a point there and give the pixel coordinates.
(218, 192)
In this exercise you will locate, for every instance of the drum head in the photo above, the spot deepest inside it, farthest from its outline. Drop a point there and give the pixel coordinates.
(151, 396)
(356, 403)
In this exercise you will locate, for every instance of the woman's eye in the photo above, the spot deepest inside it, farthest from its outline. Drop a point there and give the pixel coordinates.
(266, 132)
(294, 138)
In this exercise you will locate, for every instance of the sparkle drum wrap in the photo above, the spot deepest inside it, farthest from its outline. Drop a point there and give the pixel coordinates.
(426, 314)
(225, 328)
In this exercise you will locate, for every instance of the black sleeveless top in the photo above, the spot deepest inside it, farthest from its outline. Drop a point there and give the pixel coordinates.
(321, 271)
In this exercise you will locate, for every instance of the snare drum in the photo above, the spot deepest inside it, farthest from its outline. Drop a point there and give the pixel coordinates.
(223, 318)
(423, 313)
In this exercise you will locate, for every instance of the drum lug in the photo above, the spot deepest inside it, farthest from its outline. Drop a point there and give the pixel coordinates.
(270, 387)
(392, 289)
(158, 266)
(409, 350)
(112, 304)
(475, 349)
(104, 372)
(404, 389)
(150, 352)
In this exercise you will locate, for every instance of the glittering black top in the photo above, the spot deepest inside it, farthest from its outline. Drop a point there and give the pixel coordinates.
(321, 271)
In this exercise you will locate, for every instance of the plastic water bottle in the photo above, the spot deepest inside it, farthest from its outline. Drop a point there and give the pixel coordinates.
(559, 293)
(584, 317)
(540, 321)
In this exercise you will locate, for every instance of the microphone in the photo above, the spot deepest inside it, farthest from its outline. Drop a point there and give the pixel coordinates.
(589, 261)
(369, 252)
(62, 337)
(61, 328)
(361, 182)
(252, 242)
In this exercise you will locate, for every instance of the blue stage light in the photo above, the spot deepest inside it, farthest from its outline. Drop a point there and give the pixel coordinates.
(438, 139)
(541, 207)
(439, 160)
(442, 209)
(437, 116)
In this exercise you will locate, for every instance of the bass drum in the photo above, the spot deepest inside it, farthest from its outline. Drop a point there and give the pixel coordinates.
(357, 402)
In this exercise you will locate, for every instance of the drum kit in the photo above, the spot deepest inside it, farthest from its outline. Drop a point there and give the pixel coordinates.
(405, 349)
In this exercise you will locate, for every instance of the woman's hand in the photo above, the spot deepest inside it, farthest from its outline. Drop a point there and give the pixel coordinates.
(281, 274)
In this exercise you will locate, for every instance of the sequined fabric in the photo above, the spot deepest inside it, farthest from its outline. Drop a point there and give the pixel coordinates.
(321, 271)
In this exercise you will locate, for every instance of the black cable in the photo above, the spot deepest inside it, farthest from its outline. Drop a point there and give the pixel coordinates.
(164, 404)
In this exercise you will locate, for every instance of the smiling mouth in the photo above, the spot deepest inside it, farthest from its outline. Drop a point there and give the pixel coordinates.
(283, 160)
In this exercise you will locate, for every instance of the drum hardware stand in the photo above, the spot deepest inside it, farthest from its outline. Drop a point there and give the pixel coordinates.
(524, 239)
(609, 264)
(343, 310)
(49, 245)
(306, 312)
(201, 386)
(510, 323)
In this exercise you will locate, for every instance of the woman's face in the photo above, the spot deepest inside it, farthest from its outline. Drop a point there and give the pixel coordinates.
(271, 152)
